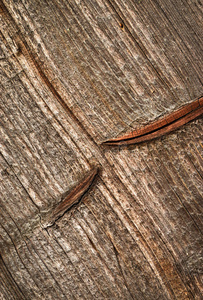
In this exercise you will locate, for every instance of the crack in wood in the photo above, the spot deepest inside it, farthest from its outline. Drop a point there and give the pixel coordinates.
(73, 198)
(169, 123)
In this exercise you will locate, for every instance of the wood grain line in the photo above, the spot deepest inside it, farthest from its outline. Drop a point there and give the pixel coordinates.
(163, 126)
(71, 199)
(15, 291)
(29, 54)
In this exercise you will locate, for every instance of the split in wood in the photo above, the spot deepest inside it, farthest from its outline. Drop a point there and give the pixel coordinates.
(163, 126)
(71, 199)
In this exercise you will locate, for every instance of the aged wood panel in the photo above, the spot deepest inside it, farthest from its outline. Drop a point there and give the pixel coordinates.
(74, 74)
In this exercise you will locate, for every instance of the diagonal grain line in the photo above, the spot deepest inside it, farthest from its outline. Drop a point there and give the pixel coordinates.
(45, 265)
(160, 8)
(173, 121)
(99, 262)
(22, 263)
(64, 258)
(142, 49)
(93, 63)
(7, 274)
(144, 246)
(99, 248)
(19, 181)
(29, 54)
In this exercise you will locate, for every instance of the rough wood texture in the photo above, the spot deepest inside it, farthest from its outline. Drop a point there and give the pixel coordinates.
(74, 74)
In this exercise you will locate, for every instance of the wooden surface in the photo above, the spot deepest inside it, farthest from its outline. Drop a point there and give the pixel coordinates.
(73, 75)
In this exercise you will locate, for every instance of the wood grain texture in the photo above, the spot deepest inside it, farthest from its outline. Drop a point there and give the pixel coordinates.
(73, 74)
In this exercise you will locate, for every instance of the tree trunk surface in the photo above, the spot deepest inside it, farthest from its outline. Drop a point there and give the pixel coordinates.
(75, 74)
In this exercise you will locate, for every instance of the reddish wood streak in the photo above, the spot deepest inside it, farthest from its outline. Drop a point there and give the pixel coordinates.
(163, 126)
(72, 198)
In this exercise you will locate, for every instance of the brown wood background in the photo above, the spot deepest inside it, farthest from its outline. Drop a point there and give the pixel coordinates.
(74, 74)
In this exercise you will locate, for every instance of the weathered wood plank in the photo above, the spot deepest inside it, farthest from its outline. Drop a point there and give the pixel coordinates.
(73, 74)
